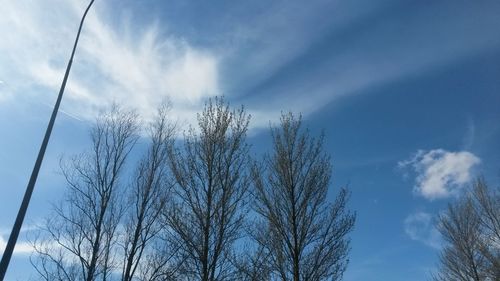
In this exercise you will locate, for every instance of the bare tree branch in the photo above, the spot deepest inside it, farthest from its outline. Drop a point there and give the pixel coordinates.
(150, 191)
(210, 172)
(471, 228)
(303, 236)
(81, 232)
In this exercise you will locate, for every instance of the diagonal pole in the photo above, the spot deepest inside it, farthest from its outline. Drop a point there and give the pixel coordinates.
(9, 249)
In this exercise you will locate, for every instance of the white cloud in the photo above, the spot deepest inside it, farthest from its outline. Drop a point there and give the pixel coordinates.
(420, 226)
(133, 65)
(22, 247)
(138, 64)
(3, 93)
(441, 173)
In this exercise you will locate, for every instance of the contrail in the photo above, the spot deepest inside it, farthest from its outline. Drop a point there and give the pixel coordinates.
(63, 112)
(71, 115)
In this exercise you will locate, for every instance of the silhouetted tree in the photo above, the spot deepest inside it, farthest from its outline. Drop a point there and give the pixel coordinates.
(184, 210)
(301, 236)
(77, 241)
(211, 184)
(487, 207)
(146, 254)
(471, 230)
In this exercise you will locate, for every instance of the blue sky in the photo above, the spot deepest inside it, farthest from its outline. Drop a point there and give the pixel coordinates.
(408, 93)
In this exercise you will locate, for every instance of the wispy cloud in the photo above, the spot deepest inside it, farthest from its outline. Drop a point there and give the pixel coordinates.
(22, 247)
(440, 173)
(368, 50)
(131, 65)
(3, 92)
(271, 57)
(470, 134)
(420, 226)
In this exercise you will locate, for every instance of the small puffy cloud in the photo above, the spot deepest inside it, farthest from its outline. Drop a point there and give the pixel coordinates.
(440, 173)
(420, 226)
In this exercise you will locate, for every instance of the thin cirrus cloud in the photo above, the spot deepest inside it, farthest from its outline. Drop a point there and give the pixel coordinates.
(269, 55)
(379, 47)
(420, 226)
(22, 247)
(440, 173)
(136, 69)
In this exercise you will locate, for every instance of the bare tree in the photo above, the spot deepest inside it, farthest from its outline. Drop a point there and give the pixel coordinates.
(211, 183)
(487, 207)
(77, 241)
(461, 259)
(471, 230)
(150, 191)
(302, 236)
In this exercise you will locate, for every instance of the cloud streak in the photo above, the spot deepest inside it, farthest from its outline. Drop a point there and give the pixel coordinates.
(262, 52)
(391, 44)
(136, 69)
(440, 173)
(22, 247)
